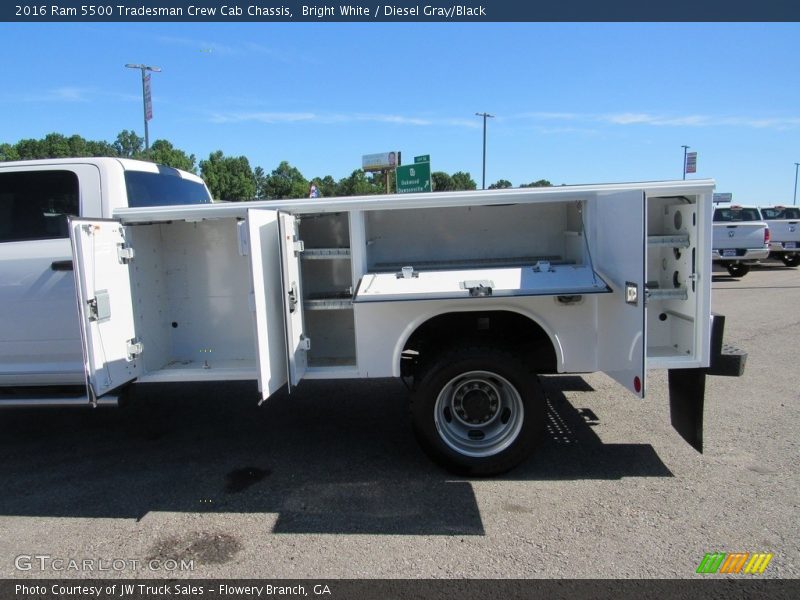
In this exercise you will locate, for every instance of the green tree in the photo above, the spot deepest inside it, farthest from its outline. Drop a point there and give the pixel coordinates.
(327, 186)
(128, 144)
(260, 181)
(164, 153)
(286, 181)
(442, 182)
(8, 152)
(358, 184)
(539, 183)
(500, 184)
(463, 181)
(228, 177)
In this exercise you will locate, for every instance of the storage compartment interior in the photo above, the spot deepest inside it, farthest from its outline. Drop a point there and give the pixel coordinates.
(191, 290)
(474, 236)
(672, 302)
(454, 252)
(327, 275)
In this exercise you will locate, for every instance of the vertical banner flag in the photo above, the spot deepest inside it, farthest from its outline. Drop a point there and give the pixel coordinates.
(691, 162)
(148, 102)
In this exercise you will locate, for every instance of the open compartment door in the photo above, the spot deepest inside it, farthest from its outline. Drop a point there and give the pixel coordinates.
(265, 265)
(297, 343)
(619, 255)
(101, 257)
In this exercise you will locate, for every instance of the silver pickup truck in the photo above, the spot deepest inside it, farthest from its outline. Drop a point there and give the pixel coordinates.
(740, 239)
(784, 229)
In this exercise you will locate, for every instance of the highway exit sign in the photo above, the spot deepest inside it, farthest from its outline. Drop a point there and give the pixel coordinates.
(414, 178)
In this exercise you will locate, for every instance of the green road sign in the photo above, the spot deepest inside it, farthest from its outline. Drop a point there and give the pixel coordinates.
(423, 158)
(414, 178)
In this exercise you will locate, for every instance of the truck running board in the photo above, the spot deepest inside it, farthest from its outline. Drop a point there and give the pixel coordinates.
(55, 401)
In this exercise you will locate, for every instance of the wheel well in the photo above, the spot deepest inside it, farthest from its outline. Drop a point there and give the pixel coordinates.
(512, 331)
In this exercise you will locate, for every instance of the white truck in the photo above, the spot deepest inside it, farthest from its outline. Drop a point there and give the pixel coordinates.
(470, 295)
(784, 229)
(40, 341)
(741, 238)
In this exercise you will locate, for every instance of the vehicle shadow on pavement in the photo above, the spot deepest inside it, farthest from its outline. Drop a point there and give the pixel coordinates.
(332, 457)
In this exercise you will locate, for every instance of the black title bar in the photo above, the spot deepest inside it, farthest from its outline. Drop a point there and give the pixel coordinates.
(205, 11)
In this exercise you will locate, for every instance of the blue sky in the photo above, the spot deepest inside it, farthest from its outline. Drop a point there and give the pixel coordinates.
(574, 103)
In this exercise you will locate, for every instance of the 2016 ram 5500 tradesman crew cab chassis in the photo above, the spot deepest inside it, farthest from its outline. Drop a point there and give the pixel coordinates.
(469, 294)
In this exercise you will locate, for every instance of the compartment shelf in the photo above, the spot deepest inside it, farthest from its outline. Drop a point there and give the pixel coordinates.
(487, 263)
(325, 253)
(328, 304)
(671, 241)
(680, 293)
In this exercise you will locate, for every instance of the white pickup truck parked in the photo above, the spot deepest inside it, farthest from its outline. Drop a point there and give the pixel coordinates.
(741, 238)
(784, 229)
(40, 341)
(469, 295)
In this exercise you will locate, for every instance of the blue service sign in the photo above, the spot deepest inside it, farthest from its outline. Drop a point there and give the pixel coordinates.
(399, 11)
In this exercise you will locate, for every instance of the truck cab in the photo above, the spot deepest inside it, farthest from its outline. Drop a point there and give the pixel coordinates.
(40, 343)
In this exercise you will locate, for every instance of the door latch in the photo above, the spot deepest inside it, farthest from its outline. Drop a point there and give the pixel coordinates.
(305, 343)
(135, 349)
(631, 293)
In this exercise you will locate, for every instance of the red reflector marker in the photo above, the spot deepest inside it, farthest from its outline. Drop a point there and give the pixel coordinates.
(637, 384)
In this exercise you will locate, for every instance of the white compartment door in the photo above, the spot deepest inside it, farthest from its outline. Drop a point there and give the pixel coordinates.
(297, 343)
(619, 255)
(265, 265)
(101, 257)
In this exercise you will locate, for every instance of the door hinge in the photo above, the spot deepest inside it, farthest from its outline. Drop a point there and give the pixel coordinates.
(244, 238)
(135, 349)
(299, 247)
(293, 297)
(125, 254)
(305, 343)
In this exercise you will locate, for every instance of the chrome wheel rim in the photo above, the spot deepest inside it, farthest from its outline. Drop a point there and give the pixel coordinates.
(479, 414)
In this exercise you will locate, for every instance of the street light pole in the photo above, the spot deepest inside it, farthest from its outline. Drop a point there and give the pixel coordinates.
(485, 115)
(796, 165)
(144, 68)
(685, 148)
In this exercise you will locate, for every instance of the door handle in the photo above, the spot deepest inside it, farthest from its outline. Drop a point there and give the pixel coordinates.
(61, 265)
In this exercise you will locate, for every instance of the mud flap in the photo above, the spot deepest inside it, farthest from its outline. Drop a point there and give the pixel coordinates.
(687, 389)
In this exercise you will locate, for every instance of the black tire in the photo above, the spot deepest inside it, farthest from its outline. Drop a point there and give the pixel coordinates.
(738, 270)
(791, 260)
(484, 392)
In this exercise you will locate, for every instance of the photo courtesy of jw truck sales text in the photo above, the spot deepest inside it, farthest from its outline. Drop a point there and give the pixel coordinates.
(467, 296)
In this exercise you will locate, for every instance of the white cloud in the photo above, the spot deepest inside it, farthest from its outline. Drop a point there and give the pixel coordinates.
(333, 118)
(667, 120)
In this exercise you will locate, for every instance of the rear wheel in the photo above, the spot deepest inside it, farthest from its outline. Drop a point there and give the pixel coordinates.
(791, 260)
(738, 269)
(478, 411)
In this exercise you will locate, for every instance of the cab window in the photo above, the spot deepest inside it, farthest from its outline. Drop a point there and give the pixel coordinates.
(34, 205)
(163, 188)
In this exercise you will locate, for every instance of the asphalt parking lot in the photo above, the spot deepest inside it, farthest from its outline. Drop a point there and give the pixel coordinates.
(329, 482)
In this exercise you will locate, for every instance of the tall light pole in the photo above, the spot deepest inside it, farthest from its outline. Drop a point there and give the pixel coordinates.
(485, 116)
(795, 183)
(146, 104)
(685, 148)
